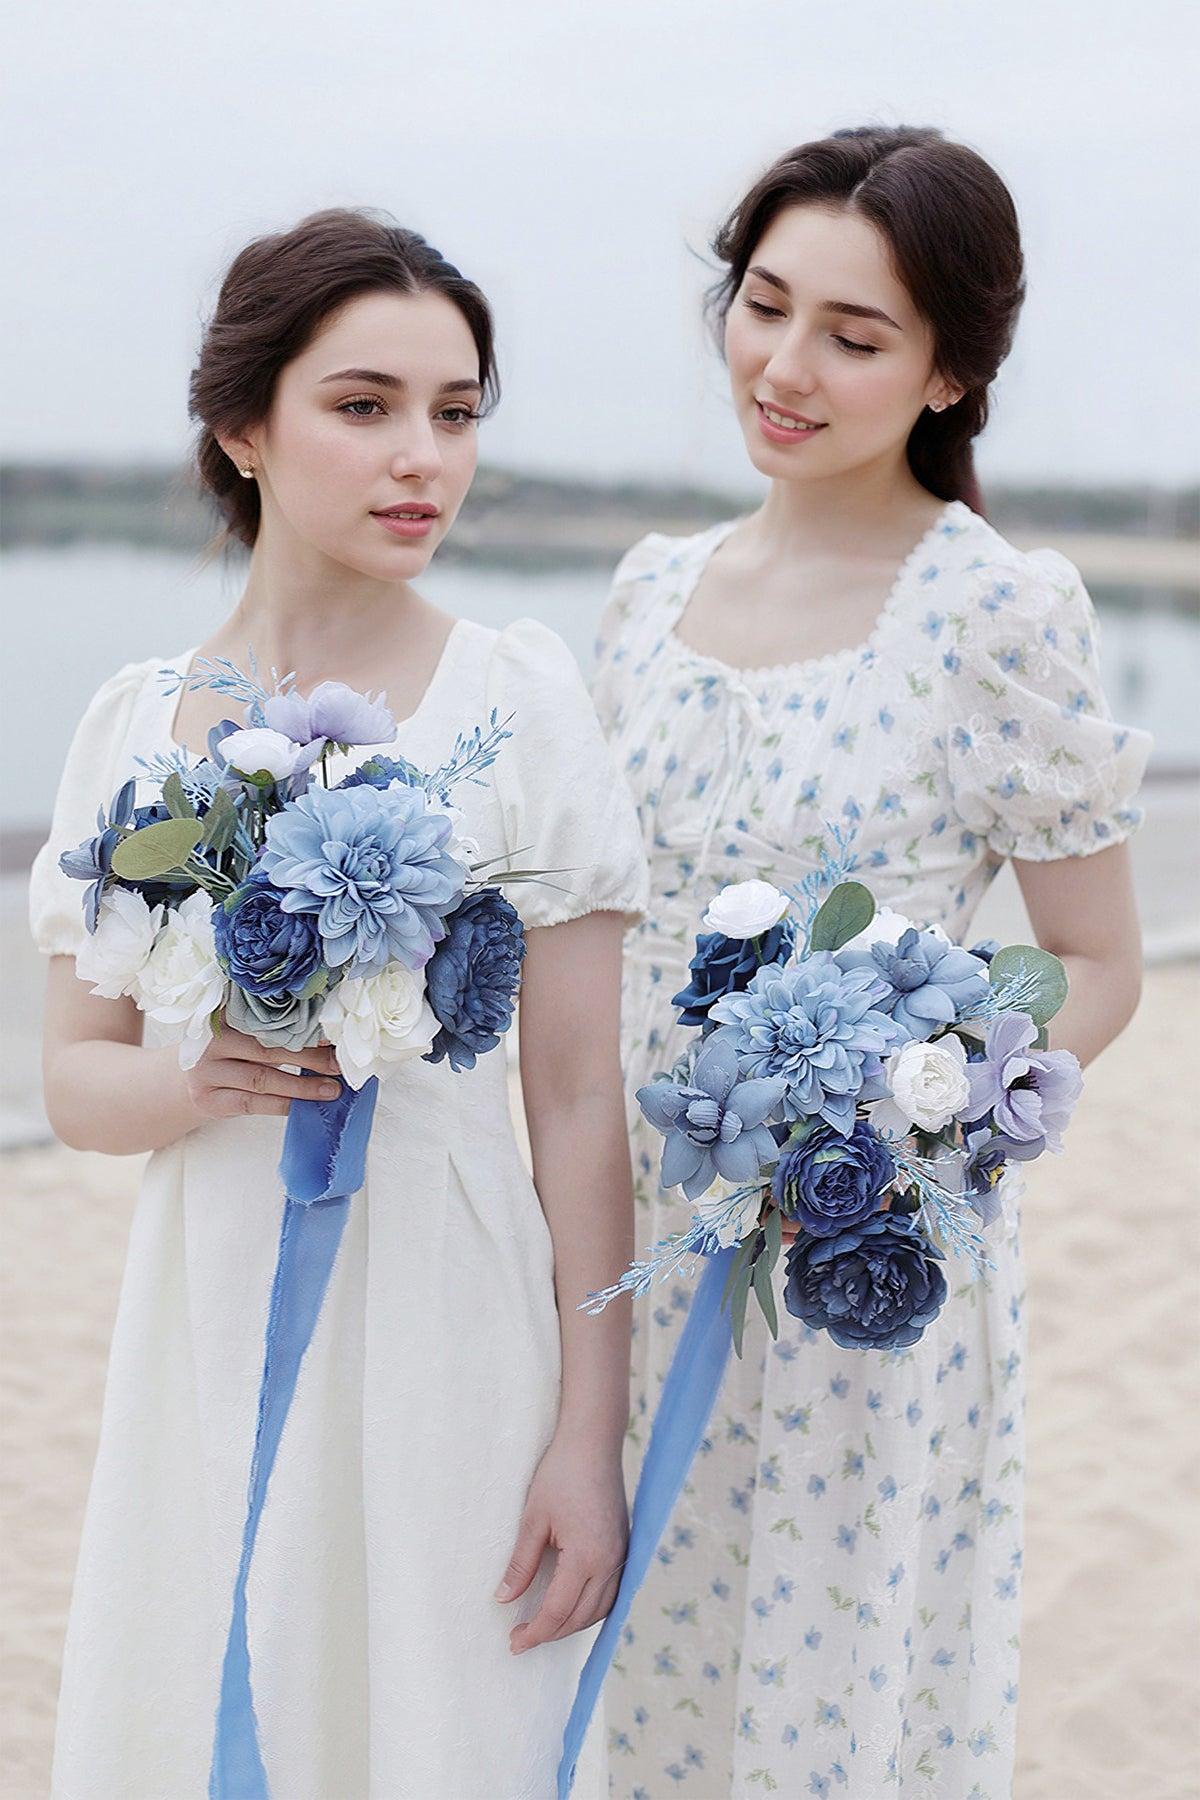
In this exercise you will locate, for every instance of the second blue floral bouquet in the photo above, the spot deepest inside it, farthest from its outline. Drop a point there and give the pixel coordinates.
(862, 1081)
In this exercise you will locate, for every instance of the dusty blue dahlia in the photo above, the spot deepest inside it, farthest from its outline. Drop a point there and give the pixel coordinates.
(929, 981)
(372, 867)
(816, 1025)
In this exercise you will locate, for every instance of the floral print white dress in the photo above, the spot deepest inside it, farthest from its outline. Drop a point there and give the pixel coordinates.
(834, 1607)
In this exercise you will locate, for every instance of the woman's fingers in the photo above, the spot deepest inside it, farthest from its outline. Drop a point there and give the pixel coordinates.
(240, 1046)
(559, 1603)
(527, 1554)
(262, 1079)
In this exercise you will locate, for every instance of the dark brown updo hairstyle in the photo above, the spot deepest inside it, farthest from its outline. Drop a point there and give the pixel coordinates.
(951, 228)
(277, 294)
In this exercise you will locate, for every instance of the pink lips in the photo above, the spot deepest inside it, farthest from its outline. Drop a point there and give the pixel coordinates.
(783, 434)
(414, 521)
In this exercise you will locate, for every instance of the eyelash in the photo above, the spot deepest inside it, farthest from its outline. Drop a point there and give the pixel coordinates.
(848, 344)
(466, 415)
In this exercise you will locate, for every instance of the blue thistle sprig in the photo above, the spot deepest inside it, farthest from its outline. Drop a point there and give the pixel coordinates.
(949, 1219)
(473, 752)
(224, 677)
(674, 1255)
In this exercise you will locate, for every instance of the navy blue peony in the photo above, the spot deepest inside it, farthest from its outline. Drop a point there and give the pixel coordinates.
(382, 771)
(724, 965)
(876, 1287)
(472, 978)
(263, 949)
(830, 1182)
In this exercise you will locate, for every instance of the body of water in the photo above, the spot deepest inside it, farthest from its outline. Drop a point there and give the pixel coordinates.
(73, 616)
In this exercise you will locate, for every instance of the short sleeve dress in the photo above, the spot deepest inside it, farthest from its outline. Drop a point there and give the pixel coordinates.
(834, 1608)
(431, 1388)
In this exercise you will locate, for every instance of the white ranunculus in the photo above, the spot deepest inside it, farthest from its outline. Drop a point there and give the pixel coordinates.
(182, 984)
(260, 749)
(888, 927)
(378, 1021)
(745, 909)
(114, 955)
(929, 1082)
(712, 1204)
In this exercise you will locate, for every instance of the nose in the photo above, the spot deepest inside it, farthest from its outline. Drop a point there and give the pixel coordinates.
(417, 456)
(790, 370)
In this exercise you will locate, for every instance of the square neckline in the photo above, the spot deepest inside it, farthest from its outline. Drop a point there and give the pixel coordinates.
(811, 665)
(458, 630)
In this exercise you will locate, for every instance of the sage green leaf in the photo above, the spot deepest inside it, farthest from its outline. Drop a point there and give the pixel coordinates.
(1040, 971)
(220, 822)
(737, 1308)
(175, 800)
(156, 849)
(766, 1294)
(774, 1231)
(740, 1262)
(848, 910)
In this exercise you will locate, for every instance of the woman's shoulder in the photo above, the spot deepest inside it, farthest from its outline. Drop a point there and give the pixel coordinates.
(660, 554)
(974, 548)
(113, 701)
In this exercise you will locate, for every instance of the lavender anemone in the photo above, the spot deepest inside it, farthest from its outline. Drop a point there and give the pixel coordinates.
(1030, 1093)
(713, 1122)
(818, 1026)
(332, 712)
(372, 867)
(929, 981)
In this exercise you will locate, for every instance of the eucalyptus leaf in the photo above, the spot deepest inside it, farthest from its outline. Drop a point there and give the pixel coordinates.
(220, 822)
(774, 1231)
(737, 1308)
(1040, 972)
(156, 849)
(740, 1263)
(848, 910)
(174, 798)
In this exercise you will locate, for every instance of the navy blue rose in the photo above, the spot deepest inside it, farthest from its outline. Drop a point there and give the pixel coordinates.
(830, 1182)
(263, 949)
(724, 965)
(472, 978)
(875, 1287)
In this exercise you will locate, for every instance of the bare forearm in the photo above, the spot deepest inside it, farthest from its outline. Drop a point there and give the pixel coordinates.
(1101, 1001)
(581, 1170)
(117, 1098)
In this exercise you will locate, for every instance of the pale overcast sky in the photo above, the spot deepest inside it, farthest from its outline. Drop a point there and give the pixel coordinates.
(572, 158)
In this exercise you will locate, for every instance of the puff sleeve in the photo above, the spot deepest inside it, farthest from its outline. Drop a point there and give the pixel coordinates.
(1038, 767)
(89, 780)
(627, 600)
(564, 805)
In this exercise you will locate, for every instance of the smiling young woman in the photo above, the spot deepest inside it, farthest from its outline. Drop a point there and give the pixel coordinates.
(834, 1605)
(447, 1514)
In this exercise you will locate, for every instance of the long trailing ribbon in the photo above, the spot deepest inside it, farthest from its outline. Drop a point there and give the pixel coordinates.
(688, 1396)
(323, 1164)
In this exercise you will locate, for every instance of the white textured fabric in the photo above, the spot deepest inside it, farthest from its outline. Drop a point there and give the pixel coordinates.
(834, 1607)
(380, 1660)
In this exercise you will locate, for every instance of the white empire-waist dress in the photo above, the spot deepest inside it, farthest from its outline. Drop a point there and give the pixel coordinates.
(834, 1607)
(380, 1660)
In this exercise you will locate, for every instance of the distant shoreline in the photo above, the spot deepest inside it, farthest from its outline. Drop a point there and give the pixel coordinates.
(1125, 537)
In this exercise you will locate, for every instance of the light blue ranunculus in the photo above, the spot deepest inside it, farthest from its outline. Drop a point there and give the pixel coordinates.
(714, 1123)
(818, 1026)
(372, 866)
(930, 982)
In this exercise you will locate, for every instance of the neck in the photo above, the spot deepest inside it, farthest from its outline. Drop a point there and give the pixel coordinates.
(842, 512)
(303, 613)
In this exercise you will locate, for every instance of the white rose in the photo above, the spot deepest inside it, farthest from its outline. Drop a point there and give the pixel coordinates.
(114, 955)
(929, 1082)
(712, 1204)
(251, 752)
(378, 1021)
(888, 927)
(745, 909)
(182, 983)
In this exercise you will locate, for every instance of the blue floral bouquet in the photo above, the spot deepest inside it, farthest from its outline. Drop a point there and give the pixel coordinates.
(865, 1081)
(255, 894)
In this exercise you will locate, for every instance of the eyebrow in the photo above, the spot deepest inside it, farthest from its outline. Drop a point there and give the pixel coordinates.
(379, 378)
(846, 308)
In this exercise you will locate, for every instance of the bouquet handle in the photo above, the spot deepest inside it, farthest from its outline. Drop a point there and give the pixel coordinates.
(688, 1396)
(323, 1164)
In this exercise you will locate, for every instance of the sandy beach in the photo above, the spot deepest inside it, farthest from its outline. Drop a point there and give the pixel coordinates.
(1110, 1620)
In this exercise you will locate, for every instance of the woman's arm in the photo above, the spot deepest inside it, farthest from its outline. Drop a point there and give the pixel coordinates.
(571, 1075)
(104, 1091)
(1082, 909)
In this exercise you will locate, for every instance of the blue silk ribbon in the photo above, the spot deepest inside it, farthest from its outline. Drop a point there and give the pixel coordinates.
(688, 1396)
(323, 1164)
